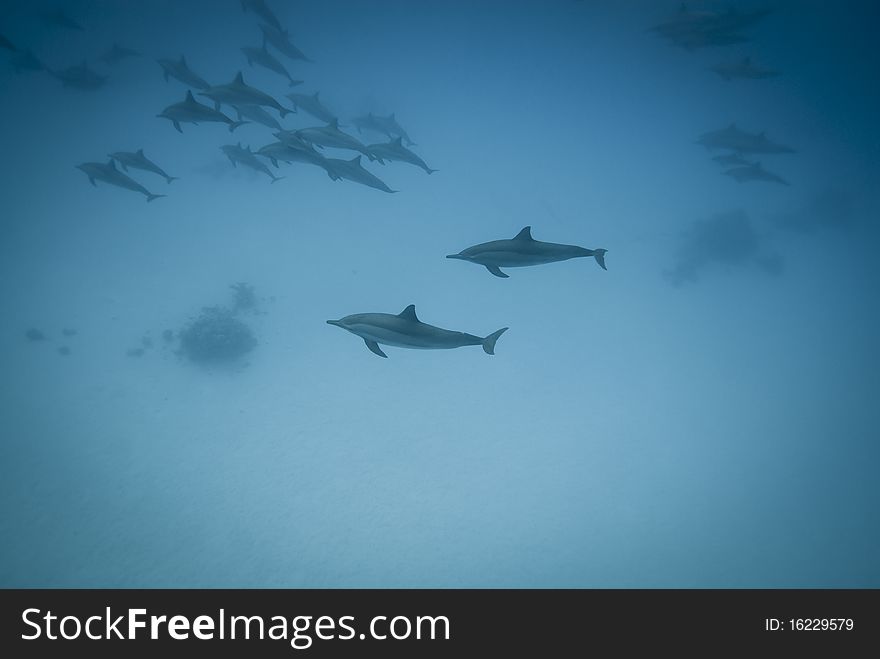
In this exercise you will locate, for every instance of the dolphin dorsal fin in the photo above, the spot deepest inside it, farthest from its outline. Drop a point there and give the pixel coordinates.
(183, 60)
(334, 123)
(409, 314)
(398, 141)
(525, 234)
(356, 160)
(239, 79)
(315, 96)
(189, 96)
(391, 116)
(112, 163)
(140, 152)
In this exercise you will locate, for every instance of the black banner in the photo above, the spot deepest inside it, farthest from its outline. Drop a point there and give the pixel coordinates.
(428, 623)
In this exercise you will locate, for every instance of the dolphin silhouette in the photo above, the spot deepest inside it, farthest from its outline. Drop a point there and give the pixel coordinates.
(523, 250)
(405, 330)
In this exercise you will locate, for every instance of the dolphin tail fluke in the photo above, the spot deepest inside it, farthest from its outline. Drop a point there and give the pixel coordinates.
(599, 255)
(489, 341)
(150, 196)
(236, 124)
(168, 179)
(275, 179)
(431, 171)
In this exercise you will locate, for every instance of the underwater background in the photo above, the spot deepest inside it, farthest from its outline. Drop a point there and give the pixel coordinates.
(702, 414)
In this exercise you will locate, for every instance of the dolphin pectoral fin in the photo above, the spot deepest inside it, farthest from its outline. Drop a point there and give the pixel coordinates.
(177, 126)
(495, 270)
(92, 181)
(374, 348)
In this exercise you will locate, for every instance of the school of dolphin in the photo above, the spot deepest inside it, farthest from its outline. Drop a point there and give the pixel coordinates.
(235, 103)
(693, 29)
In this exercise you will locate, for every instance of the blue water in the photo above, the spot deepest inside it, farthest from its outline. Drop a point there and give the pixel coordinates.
(701, 414)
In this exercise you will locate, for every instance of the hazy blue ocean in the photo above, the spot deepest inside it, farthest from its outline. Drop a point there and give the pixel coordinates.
(703, 413)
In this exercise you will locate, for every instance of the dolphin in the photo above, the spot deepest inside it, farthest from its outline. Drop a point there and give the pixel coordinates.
(190, 111)
(260, 8)
(258, 115)
(394, 150)
(523, 250)
(268, 61)
(743, 69)
(79, 76)
(734, 139)
(394, 129)
(281, 40)
(405, 330)
(137, 160)
(313, 106)
(58, 18)
(108, 173)
(238, 92)
(25, 60)
(284, 152)
(371, 122)
(7, 44)
(331, 136)
(118, 53)
(292, 138)
(754, 172)
(238, 154)
(180, 70)
(353, 170)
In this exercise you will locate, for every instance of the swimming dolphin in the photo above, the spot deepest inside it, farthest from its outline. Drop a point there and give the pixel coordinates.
(7, 44)
(58, 18)
(268, 61)
(353, 170)
(371, 122)
(180, 70)
(137, 160)
(313, 106)
(754, 172)
(331, 136)
(238, 92)
(394, 150)
(79, 76)
(405, 330)
(281, 40)
(260, 8)
(394, 129)
(25, 60)
(744, 69)
(287, 153)
(523, 250)
(734, 139)
(258, 115)
(118, 53)
(293, 139)
(108, 173)
(190, 111)
(238, 154)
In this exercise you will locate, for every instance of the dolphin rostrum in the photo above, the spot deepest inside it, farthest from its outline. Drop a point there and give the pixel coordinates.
(108, 173)
(405, 330)
(238, 92)
(523, 250)
(192, 112)
(180, 70)
(137, 160)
